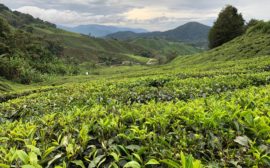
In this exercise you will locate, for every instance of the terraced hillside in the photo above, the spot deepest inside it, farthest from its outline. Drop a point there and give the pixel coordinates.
(194, 112)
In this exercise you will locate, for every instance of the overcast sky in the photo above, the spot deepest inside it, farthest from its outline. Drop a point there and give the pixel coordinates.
(148, 14)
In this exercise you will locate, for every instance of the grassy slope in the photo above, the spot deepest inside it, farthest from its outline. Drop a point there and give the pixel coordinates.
(83, 48)
(165, 47)
(253, 43)
(92, 49)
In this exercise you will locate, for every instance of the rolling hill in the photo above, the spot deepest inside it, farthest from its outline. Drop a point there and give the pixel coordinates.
(99, 30)
(41, 39)
(76, 47)
(80, 48)
(193, 33)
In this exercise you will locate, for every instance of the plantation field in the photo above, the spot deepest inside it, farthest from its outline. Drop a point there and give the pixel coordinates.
(214, 114)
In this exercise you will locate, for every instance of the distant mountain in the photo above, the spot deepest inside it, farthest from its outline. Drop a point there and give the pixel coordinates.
(193, 32)
(100, 30)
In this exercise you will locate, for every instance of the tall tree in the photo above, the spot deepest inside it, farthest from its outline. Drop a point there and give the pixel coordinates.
(229, 25)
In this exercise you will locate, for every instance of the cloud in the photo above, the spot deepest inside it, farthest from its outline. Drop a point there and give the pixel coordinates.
(68, 17)
(149, 14)
(157, 12)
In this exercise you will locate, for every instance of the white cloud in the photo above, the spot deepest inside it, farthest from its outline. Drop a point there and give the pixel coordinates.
(68, 17)
(157, 12)
(53, 15)
(149, 14)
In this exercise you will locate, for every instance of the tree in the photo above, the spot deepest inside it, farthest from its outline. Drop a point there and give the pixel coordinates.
(229, 25)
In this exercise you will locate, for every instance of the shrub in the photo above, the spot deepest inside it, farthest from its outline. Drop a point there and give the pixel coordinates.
(29, 75)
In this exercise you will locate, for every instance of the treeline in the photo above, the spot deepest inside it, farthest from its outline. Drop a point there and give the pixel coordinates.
(27, 58)
(19, 20)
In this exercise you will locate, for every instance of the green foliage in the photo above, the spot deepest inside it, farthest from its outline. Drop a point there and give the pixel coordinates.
(4, 87)
(251, 23)
(260, 27)
(25, 57)
(4, 30)
(19, 20)
(229, 25)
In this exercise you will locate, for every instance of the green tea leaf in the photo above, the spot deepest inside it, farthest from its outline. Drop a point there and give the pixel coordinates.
(132, 164)
(96, 161)
(78, 163)
(23, 156)
(170, 163)
(152, 162)
(4, 165)
(28, 166)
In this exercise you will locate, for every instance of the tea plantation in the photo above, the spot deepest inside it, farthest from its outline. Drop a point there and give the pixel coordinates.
(193, 112)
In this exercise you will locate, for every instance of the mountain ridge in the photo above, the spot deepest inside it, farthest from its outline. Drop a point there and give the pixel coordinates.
(100, 30)
(192, 32)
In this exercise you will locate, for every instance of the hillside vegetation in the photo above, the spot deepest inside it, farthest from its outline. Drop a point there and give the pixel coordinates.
(205, 110)
(167, 49)
(25, 57)
(32, 49)
(255, 42)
